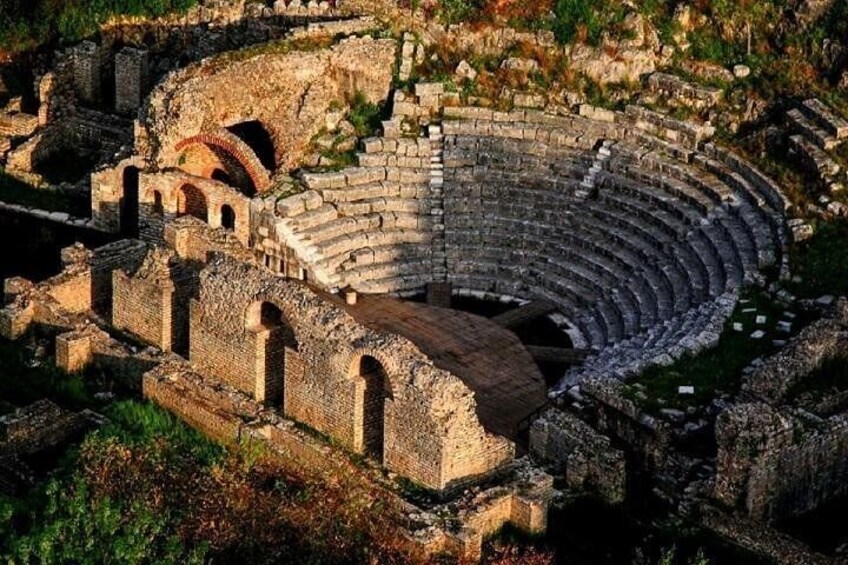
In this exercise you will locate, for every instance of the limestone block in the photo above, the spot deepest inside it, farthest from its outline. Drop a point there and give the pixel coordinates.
(73, 351)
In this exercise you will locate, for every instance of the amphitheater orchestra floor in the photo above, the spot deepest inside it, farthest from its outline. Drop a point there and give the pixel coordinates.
(488, 358)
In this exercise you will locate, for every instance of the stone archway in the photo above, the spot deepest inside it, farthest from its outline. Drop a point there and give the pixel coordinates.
(274, 340)
(235, 155)
(192, 202)
(373, 394)
(129, 201)
(258, 138)
(228, 217)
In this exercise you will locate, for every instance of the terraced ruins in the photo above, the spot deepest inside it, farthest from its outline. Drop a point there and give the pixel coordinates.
(465, 296)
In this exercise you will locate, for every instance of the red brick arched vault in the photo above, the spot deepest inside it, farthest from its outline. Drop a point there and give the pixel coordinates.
(236, 148)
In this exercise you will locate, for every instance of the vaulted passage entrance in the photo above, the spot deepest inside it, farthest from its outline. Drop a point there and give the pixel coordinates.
(228, 217)
(259, 139)
(374, 395)
(275, 340)
(192, 202)
(129, 202)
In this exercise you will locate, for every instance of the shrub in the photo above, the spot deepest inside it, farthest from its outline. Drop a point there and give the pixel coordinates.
(365, 116)
(25, 23)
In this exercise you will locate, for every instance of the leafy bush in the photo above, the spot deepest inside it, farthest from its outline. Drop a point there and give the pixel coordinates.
(454, 11)
(25, 23)
(365, 116)
(574, 17)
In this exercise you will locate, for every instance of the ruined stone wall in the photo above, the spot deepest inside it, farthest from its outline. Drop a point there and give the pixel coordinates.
(431, 430)
(151, 303)
(618, 417)
(193, 241)
(87, 61)
(223, 413)
(174, 188)
(289, 93)
(585, 456)
(776, 466)
(131, 76)
(125, 254)
(83, 286)
(817, 342)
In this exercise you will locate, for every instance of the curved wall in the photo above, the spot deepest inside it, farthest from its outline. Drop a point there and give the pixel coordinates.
(628, 233)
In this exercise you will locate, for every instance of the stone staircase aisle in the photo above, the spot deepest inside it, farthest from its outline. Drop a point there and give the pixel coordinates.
(587, 185)
(437, 199)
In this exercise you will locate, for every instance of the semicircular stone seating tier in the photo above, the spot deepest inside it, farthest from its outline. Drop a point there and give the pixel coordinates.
(642, 243)
(235, 147)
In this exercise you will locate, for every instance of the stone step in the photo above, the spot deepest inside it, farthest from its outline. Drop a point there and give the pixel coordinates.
(811, 130)
(826, 118)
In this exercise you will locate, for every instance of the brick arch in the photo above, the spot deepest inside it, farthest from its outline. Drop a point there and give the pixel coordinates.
(255, 318)
(389, 366)
(235, 147)
(192, 201)
(375, 392)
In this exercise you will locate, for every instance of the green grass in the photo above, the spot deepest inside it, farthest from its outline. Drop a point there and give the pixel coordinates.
(366, 117)
(21, 383)
(718, 369)
(822, 261)
(85, 513)
(138, 423)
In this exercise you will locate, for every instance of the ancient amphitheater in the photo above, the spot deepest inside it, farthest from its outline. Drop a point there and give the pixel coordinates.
(353, 300)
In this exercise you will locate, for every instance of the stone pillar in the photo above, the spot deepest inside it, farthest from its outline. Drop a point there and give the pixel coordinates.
(130, 79)
(46, 86)
(87, 71)
(73, 351)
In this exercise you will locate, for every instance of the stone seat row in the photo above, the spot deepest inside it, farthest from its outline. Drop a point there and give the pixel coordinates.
(696, 330)
(721, 185)
(628, 319)
(741, 239)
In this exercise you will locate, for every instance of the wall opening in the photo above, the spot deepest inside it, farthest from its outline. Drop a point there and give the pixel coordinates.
(259, 139)
(221, 175)
(158, 206)
(375, 393)
(192, 202)
(266, 319)
(129, 202)
(228, 217)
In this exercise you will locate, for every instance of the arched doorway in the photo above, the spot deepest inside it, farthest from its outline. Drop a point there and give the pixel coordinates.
(129, 202)
(258, 138)
(221, 175)
(375, 392)
(274, 341)
(158, 205)
(228, 217)
(192, 202)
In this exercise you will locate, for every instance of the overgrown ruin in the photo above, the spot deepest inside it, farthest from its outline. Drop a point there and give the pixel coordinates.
(261, 295)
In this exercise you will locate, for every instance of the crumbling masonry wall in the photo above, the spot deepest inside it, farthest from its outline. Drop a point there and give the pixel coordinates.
(151, 303)
(289, 93)
(777, 460)
(431, 435)
(586, 457)
(775, 467)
